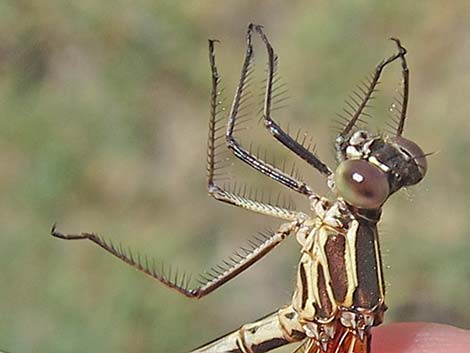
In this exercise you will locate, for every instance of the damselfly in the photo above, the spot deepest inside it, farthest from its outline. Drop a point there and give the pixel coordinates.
(339, 295)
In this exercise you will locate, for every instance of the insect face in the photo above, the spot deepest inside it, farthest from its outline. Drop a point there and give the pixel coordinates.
(375, 167)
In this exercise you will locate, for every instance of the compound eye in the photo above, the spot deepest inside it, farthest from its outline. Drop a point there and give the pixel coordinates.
(361, 184)
(413, 151)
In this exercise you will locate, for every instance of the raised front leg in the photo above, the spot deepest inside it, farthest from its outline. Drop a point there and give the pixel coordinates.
(362, 98)
(237, 149)
(291, 143)
(215, 165)
(403, 103)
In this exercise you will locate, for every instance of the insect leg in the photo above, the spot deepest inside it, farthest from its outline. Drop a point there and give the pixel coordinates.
(369, 91)
(273, 127)
(406, 87)
(209, 281)
(236, 148)
(260, 336)
(213, 164)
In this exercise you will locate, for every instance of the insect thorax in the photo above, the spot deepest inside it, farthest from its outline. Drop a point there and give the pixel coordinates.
(340, 273)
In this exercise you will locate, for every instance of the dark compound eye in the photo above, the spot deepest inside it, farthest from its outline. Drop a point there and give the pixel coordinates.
(361, 184)
(413, 151)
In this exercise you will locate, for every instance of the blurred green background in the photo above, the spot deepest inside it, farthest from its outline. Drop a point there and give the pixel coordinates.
(103, 118)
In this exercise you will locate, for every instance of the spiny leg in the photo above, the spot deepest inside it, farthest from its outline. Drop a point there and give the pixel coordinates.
(406, 87)
(209, 281)
(243, 154)
(273, 127)
(240, 260)
(213, 165)
(367, 94)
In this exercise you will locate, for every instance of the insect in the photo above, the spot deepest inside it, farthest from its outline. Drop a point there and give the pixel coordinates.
(339, 294)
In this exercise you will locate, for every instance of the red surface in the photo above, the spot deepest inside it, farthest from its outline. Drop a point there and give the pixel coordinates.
(420, 338)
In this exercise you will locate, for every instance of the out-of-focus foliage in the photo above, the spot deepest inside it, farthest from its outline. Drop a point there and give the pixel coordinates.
(103, 116)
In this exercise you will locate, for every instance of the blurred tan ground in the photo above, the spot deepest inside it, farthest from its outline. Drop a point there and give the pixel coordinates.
(103, 116)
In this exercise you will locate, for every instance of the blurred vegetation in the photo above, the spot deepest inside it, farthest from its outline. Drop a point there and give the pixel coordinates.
(103, 116)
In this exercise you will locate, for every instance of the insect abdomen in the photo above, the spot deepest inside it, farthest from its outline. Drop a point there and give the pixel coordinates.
(261, 336)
